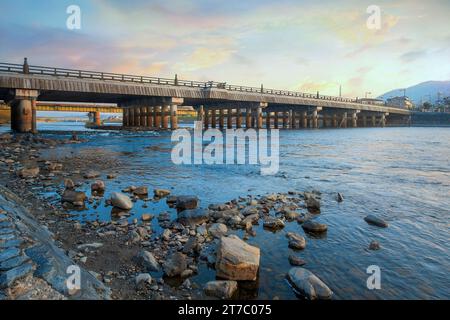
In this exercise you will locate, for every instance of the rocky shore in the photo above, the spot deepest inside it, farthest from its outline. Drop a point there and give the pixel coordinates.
(127, 257)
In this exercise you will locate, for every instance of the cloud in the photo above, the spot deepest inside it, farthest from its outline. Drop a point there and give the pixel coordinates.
(203, 57)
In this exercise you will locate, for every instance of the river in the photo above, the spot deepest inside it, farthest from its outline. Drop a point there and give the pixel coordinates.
(400, 174)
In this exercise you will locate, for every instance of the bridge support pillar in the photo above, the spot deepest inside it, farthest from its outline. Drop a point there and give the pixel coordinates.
(173, 117)
(374, 121)
(229, 118)
(157, 116)
(150, 123)
(125, 117)
(248, 118)
(97, 120)
(293, 120)
(165, 117)
(383, 120)
(324, 121)
(23, 110)
(315, 118)
(276, 120)
(355, 119)
(131, 117)
(213, 118)
(364, 121)
(268, 124)
(201, 115)
(238, 118)
(285, 119)
(137, 116)
(221, 119)
(304, 120)
(335, 121)
(143, 117)
(206, 119)
(344, 120)
(259, 119)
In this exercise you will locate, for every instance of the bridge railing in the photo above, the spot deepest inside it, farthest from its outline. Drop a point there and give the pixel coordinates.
(107, 76)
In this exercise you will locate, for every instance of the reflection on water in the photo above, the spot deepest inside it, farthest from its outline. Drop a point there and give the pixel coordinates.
(401, 174)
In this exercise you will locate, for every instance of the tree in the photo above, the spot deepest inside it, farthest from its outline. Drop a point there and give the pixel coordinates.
(427, 106)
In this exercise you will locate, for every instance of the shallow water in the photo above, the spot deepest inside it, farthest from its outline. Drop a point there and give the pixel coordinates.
(401, 174)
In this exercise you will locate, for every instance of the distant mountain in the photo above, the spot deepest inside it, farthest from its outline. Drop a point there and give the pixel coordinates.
(425, 91)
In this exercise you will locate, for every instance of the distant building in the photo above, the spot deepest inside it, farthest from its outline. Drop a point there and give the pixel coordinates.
(379, 102)
(400, 102)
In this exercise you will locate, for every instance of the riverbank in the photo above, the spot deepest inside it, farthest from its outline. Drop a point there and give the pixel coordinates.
(111, 243)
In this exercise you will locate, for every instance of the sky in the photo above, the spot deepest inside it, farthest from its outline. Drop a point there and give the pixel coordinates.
(306, 46)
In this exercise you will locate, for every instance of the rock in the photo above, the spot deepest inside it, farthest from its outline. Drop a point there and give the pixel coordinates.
(252, 219)
(161, 193)
(26, 173)
(7, 278)
(191, 246)
(9, 254)
(193, 217)
(312, 203)
(237, 260)
(53, 166)
(273, 223)
(148, 261)
(296, 241)
(143, 278)
(73, 197)
(221, 289)
(374, 245)
(147, 217)
(201, 230)
(166, 234)
(370, 219)
(218, 230)
(339, 197)
(249, 211)
(186, 202)
(290, 214)
(121, 201)
(296, 261)
(187, 273)
(175, 265)
(141, 191)
(69, 184)
(314, 227)
(98, 186)
(111, 176)
(91, 174)
(95, 245)
(308, 284)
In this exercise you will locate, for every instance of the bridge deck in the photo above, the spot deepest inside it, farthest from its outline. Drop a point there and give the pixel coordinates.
(86, 86)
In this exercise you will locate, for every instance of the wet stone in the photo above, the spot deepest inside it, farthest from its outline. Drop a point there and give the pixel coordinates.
(8, 254)
(6, 224)
(13, 263)
(6, 231)
(6, 237)
(10, 243)
(3, 218)
(8, 277)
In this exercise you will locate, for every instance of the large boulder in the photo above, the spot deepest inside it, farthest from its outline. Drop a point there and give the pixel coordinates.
(141, 191)
(273, 223)
(98, 186)
(74, 197)
(193, 217)
(312, 203)
(370, 219)
(218, 230)
(221, 289)
(148, 261)
(308, 284)
(296, 241)
(91, 174)
(122, 201)
(161, 193)
(26, 173)
(314, 227)
(175, 265)
(186, 202)
(237, 260)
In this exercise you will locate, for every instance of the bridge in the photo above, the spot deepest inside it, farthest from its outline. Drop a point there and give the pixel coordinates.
(151, 102)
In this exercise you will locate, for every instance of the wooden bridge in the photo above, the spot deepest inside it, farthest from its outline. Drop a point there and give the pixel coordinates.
(151, 102)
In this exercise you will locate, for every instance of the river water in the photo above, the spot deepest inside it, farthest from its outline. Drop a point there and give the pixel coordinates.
(400, 174)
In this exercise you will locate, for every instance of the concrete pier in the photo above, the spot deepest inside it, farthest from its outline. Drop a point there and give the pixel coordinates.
(213, 118)
(229, 118)
(23, 110)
